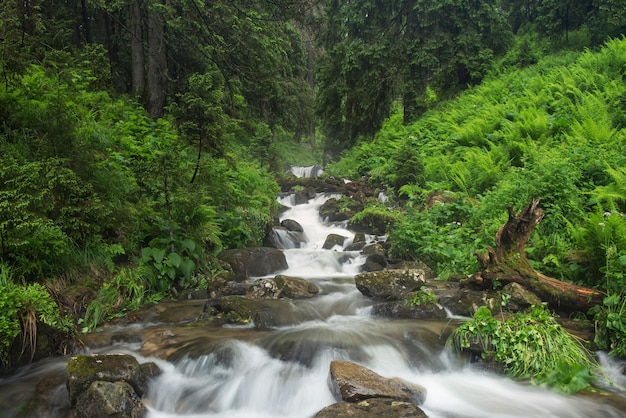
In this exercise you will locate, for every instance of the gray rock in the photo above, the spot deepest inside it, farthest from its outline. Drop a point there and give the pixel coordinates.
(352, 382)
(83, 370)
(372, 408)
(291, 225)
(109, 400)
(389, 285)
(295, 287)
(254, 261)
(332, 240)
(263, 289)
(402, 309)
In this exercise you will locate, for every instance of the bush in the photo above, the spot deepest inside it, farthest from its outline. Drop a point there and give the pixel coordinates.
(531, 346)
(440, 236)
(21, 308)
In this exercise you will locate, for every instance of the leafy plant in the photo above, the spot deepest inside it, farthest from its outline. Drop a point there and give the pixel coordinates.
(440, 236)
(423, 296)
(21, 309)
(531, 346)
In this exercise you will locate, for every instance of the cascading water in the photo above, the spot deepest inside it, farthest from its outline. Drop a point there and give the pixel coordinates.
(283, 372)
(310, 171)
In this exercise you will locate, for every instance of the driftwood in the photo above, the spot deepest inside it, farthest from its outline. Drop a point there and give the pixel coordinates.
(507, 263)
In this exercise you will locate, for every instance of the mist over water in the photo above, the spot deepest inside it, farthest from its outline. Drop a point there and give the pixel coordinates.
(240, 372)
(284, 373)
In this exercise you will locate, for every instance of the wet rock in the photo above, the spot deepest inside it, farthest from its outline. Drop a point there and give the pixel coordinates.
(403, 309)
(301, 198)
(520, 297)
(254, 261)
(373, 249)
(109, 400)
(230, 288)
(332, 240)
(372, 408)
(389, 285)
(374, 262)
(282, 286)
(465, 302)
(280, 237)
(339, 210)
(235, 310)
(263, 289)
(429, 274)
(291, 225)
(264, 319)
(352, 382)
(295, 287)
(83, 370)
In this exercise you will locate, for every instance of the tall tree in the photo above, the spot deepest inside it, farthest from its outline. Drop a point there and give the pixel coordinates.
(379, 51)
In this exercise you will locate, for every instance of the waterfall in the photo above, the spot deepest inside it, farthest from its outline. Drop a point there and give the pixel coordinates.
(309, 171)
(284, 372)
(240, 372)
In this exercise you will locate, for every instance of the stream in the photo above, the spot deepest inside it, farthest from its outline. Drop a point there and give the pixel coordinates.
(239, 371)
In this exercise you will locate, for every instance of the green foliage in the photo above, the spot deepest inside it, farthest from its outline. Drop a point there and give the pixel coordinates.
(21, 308)
(423, 296)
(530, 346)
(125, 292)
(547, 131)
(377, 218)
(173, 263)
(440, 236)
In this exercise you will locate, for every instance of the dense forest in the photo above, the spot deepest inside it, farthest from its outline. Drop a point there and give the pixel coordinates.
(141, 138)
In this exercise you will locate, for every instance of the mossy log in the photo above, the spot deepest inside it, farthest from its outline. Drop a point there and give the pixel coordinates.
(507, 263)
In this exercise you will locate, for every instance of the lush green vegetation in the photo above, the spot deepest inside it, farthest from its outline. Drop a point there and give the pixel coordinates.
(530, 346)
(142, 138)
(553, 131)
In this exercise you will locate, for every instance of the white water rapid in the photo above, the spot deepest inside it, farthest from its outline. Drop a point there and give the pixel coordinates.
(284, 373)
(241, 372)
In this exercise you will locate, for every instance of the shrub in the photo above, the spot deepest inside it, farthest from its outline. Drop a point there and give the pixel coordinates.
(531, 346)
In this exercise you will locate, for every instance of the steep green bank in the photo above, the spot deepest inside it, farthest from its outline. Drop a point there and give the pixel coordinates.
(553, 131)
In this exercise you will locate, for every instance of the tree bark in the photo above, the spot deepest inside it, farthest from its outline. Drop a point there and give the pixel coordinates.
(507, 263)
(157, 64)
(137, 50)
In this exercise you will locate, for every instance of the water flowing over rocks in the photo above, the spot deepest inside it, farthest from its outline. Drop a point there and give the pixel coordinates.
(296, 330)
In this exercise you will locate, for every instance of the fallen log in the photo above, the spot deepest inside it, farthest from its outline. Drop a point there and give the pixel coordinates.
(507, 263)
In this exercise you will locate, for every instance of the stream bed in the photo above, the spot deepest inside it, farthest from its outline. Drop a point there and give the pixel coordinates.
(240, 371)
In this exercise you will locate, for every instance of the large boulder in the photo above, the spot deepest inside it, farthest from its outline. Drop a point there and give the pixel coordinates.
(372, 408)
(239, 310)
(352, 382)
(291, 225)
(295, 287)
(282, 286)
(390, 285)
(405, 310)
(254, 261)
(333, 240)
(83, 370)
(375, 258)
(263, 289)
(109, 400)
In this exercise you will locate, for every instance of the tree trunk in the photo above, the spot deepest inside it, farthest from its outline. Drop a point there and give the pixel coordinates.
(508, 263)
(136, 48)
(157, 64)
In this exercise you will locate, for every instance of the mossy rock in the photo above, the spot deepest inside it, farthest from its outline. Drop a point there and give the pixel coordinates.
(83, 370)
